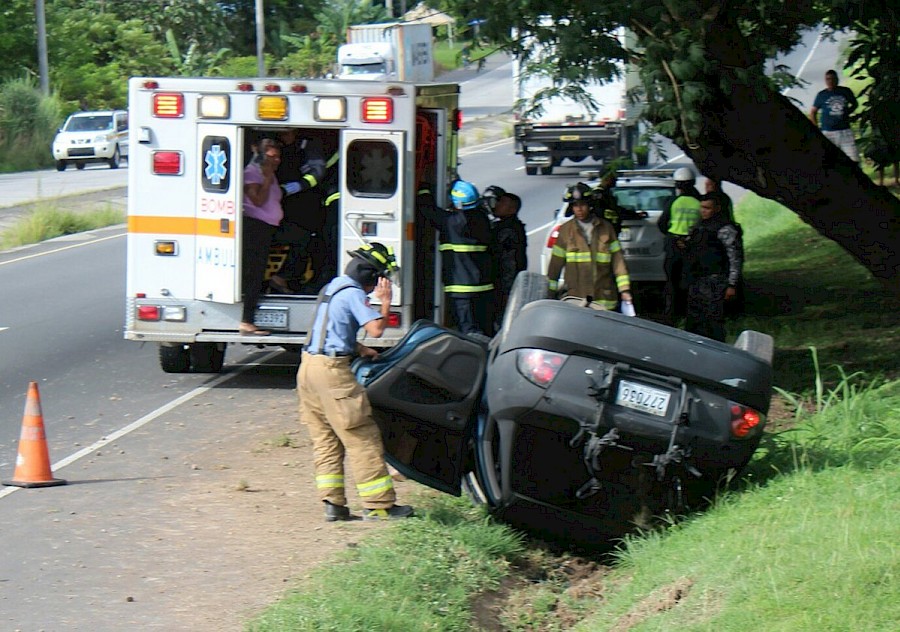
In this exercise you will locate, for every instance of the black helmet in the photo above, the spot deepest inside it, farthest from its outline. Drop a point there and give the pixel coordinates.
(578, 191)
(378, 256)
(490, 196)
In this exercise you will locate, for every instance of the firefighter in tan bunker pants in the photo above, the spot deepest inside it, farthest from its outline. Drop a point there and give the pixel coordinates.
(333, 405)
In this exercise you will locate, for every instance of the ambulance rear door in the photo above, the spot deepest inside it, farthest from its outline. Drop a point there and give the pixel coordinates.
(372, 185)
(218, 211)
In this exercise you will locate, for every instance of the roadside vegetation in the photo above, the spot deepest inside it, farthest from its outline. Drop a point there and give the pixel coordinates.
(807, 539)
(48, 221)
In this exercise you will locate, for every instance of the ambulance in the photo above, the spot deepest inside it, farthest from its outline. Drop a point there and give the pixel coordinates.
(191, 139)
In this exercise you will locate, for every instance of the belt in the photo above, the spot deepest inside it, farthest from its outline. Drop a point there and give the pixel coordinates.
(332, 354)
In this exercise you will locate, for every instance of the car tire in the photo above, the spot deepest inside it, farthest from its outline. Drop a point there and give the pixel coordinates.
(756, 344)
(527, 288)
(547, 171)
(531, 171)
(207, 357)
(116, 158)
(80, 166)
(61, 165)
(174, 358)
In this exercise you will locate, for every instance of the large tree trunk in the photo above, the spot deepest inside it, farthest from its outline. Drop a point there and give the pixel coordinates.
(761, 141)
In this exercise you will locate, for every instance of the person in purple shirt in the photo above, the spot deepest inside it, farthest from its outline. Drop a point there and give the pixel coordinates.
(262, 214)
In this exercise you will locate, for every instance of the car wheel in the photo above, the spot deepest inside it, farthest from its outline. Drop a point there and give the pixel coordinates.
(527, 288)
(79, 166)
(531, 171)
(547, 171)
(61, 165)
(174, 358)
(207, 357)
(756, 344)
(116, 158)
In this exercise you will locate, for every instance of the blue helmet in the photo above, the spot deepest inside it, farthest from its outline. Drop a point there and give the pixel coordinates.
(464, 195)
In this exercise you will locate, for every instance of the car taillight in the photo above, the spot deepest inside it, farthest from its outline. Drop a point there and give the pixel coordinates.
(554, 235)
(538, 366)
(744, 420)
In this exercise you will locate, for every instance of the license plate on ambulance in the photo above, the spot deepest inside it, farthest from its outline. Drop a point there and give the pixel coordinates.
(274, 317)
(642, 397)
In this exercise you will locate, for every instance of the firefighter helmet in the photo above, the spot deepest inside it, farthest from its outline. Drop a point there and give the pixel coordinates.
(464, 195)
(578, 191)
(377, 256)
(683, 174)
(490, 196)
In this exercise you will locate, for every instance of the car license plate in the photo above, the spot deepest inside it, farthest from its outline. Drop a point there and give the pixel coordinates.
(570, 137)
(276, 317)
(642, 397)
(625, 234)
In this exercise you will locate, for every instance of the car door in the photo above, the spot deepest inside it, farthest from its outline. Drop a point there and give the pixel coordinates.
(424, 394)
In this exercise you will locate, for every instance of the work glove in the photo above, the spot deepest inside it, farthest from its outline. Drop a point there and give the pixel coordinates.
(627, 308)
(291, 187)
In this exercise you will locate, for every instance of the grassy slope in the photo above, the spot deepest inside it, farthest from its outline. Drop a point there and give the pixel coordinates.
(811, 543)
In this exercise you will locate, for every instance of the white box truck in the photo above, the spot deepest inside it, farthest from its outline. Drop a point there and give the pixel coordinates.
(394, 51)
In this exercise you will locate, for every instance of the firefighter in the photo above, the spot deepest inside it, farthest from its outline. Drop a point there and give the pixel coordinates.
(465, 237)
(588, 249)
(606, 205)
(676, 222)
(333, 405)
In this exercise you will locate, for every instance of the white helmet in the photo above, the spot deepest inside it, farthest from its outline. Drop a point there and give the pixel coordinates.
(683, 174)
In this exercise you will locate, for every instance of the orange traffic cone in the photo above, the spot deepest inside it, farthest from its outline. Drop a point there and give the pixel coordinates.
(33, 459)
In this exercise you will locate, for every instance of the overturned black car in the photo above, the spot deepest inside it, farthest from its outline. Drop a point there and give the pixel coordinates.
(573, 423)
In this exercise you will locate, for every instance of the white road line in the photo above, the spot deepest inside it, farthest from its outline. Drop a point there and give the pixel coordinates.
(477, 149)
(50, 252)
(143, 421)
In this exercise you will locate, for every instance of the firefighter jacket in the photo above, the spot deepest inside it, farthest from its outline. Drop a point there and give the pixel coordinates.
(682, 215)
(465, 238)
(715, 247)
(595, 269)
(606, 205)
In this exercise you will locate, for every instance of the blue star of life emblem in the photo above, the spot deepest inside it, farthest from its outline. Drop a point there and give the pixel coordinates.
(215, 164)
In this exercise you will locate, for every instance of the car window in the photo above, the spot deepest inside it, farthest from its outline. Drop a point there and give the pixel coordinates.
(644, 198)
(89, 123)
(121, 122)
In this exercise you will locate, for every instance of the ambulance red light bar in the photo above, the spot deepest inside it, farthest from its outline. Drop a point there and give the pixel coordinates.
(245, 86)
(168, 105)
(298, 87)
(168, 163)
(272, 87)
(151, 85)
(378, 110)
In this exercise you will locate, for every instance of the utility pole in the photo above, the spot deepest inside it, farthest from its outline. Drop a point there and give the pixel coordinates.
(260, 39)
(43, 68)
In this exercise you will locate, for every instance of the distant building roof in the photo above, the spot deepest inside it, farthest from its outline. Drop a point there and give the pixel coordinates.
(423, 13)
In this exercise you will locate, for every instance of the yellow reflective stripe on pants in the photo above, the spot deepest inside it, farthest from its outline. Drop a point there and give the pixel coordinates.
(377, 486)
(608, 305)
(469, 288)
(329, 481)
(553, 285)
(462, 248)
(332, 198)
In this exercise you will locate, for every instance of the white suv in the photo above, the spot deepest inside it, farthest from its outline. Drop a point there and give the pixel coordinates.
(90, 137)
(648, 191)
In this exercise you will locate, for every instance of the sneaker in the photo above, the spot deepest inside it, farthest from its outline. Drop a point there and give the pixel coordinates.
(333, 513)
(391, 513)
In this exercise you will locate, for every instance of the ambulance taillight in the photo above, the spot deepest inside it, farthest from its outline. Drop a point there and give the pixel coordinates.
(168, 163)
(394, 320)
(272, 108)
(378, 110)
(168, 105)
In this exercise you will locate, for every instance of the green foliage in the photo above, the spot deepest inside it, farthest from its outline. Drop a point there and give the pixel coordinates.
(28, 122)
(49, 221)
(310, 56)
(335, 16)
(418, 574)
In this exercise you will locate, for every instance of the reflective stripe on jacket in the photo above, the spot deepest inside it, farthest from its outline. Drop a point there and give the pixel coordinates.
(467, 267)
(596, 269)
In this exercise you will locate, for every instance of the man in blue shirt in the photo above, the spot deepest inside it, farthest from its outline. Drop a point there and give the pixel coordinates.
(333, 405)
(836, 103)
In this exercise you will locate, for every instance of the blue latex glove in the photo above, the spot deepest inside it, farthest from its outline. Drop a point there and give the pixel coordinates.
(291, 187)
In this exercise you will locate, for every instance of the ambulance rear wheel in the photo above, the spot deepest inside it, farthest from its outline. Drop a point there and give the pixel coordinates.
(207, 357)
(174, 358)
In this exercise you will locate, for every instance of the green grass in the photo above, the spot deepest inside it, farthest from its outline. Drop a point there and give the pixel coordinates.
(807, 541)
(47, 222)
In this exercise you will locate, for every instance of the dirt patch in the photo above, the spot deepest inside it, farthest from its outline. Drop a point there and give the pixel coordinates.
(661, 600)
